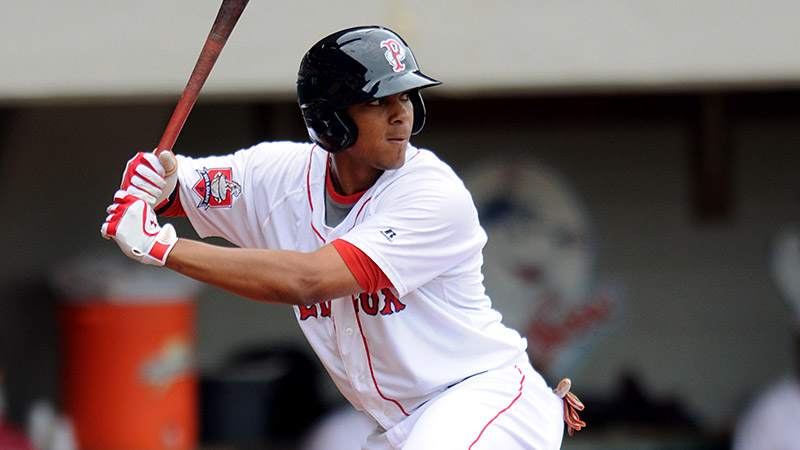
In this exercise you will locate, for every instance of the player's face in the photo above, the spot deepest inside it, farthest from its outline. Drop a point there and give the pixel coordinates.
(384, 128)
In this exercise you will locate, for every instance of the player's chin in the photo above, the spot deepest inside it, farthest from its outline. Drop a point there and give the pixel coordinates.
(397, 165)
(393, 164)
(396, 154)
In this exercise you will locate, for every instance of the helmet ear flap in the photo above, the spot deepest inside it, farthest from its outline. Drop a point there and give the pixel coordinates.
(334, 135)
(419, 111)
(345, 130)
(340, 132)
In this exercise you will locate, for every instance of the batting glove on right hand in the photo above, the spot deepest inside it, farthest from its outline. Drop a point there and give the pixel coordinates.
(132, 224)
(151, 178)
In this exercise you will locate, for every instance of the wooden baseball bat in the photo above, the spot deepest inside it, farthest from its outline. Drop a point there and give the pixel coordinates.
(228, 15)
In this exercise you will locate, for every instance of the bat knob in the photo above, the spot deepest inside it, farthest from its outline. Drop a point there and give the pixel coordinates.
(167, 160)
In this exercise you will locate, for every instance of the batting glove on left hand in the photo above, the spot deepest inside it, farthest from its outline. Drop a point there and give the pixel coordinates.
(132, 224)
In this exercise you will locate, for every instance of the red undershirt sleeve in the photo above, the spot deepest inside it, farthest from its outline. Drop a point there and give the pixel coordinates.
(172, 207)
(369, 276)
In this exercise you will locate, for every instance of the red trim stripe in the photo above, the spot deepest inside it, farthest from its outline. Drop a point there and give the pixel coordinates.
(308, 190)
(318, 234)
(361, 209)
(521, 381)
(308, 178)
(369, 360)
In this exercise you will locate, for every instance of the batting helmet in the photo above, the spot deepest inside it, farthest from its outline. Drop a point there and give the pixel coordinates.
(354, 66)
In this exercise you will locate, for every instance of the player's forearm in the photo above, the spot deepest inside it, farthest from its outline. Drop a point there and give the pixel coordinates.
(273, 276)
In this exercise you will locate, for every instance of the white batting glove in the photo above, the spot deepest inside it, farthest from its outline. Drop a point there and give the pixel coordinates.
(132, 224)
(571, 406)
(151, 178)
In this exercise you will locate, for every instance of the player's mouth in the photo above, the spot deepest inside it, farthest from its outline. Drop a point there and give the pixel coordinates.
(398, 140)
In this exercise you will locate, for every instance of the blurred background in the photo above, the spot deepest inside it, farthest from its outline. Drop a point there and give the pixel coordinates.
(635, 164)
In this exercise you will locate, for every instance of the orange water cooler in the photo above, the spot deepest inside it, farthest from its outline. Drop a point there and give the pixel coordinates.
(128, 376)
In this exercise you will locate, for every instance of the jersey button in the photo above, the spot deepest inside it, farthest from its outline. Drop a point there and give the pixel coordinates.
(348, 331)
(387, 412)
(362, 378)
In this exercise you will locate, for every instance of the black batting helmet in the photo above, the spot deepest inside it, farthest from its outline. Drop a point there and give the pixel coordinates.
(354, 66)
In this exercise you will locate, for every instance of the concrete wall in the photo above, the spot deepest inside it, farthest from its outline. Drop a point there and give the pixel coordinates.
(148, 47)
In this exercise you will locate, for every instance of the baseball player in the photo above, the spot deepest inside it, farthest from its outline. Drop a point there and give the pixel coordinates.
(376, 244)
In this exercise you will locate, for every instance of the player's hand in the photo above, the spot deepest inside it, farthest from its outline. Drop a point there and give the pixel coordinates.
(151, 178)
(132, 224)
(571, 406)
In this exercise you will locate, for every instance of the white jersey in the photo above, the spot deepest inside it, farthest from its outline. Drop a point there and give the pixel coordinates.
(773, 420)
(388, 351)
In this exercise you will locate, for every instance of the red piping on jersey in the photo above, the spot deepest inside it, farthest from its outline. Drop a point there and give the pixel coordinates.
(521, 381)
(369, 360)
(318, 234)
(308, 189)
(361, 209)
(308, 177)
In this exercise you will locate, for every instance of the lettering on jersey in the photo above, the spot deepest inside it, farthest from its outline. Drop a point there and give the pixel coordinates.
(216, 188)
(395, 54)
(389, 234)
(383, 302)
(322, 309)
(369, 303)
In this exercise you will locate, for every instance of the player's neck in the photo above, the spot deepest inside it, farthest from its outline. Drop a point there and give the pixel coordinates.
(349, 177)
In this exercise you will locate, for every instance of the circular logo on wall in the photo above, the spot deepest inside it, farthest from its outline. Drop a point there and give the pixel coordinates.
(541, 261)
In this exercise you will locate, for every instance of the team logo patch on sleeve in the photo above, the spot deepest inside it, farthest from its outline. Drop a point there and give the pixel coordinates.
(216, 188)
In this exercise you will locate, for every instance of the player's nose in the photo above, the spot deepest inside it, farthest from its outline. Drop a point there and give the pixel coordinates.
(401, 109)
